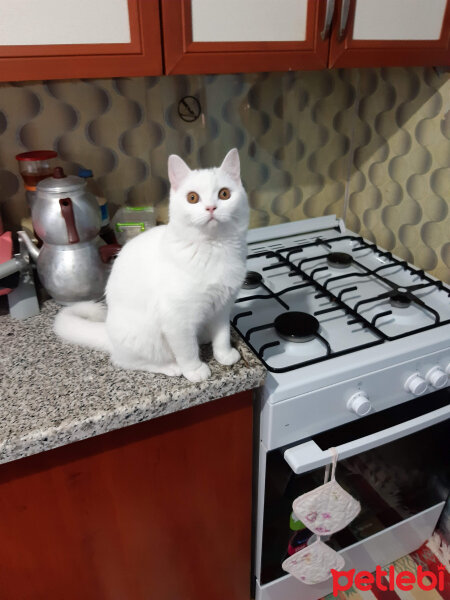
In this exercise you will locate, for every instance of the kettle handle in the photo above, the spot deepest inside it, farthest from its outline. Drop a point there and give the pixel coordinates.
(109, 251)
(67, 213)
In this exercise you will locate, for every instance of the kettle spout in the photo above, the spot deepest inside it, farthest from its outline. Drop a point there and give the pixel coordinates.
(32, 248)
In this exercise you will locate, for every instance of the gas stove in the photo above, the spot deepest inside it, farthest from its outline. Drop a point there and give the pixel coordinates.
(315, 293)
(349, 334)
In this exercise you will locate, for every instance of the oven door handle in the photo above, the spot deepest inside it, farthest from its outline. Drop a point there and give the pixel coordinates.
(308, 456)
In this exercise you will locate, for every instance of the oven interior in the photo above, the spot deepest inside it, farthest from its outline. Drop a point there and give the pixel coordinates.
(393, 482)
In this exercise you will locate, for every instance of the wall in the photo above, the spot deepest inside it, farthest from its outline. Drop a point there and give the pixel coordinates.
(399, 189)
(369, 145)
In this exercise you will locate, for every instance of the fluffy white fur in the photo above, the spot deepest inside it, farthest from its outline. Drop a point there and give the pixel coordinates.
(172, 287)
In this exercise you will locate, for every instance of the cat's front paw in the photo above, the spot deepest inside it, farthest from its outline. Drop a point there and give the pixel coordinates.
(227, 357)
(199, 374)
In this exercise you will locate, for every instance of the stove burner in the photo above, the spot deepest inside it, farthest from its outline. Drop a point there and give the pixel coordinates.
(339, 260)
(252, 280)
(399, 299)
(296, 326)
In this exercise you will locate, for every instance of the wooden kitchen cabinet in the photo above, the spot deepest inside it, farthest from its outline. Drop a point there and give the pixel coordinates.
(121, 38)
(159, 510)
(379, 33)
(213, 36)
(50, 39)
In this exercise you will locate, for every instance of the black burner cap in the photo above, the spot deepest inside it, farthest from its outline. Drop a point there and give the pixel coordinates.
(296, 326)
(400, 300)
(339, 260)
(252, 280)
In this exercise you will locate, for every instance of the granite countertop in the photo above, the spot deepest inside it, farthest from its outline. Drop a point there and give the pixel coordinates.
(53, 393)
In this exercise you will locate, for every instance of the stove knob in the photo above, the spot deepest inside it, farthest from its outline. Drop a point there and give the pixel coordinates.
(416, 385)
(437, 377)
(360, 404)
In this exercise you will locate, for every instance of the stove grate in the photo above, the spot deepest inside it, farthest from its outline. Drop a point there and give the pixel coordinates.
(284, 256)
(408, 290)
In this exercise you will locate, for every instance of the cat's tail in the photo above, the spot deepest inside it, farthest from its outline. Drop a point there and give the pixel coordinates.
(83, 323)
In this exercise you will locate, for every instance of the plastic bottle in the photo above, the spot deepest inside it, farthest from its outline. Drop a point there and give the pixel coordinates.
(299, 539)
(106, 232)
(130, 221)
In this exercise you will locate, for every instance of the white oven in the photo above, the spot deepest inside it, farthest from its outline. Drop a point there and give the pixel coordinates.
(395, 462)
(357, 346)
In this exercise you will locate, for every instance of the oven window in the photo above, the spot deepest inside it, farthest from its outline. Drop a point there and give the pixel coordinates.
(392, 482)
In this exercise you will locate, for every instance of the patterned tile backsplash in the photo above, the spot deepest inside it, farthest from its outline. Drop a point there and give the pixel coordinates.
(370, 145)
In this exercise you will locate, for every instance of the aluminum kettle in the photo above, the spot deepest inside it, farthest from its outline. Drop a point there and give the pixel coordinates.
(63, 211)
(71, 265)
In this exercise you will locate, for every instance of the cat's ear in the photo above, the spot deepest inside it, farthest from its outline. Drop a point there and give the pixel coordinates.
(231, 165)
(178, 170)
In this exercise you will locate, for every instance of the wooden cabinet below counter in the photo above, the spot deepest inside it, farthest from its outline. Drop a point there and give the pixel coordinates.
(159, 510)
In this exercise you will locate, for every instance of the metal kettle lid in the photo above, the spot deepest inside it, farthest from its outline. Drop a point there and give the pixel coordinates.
(59, 182)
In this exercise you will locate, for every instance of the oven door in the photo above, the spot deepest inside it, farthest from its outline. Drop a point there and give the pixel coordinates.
(394, 462)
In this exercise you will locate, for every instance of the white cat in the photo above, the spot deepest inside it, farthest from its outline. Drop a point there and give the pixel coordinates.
(172, 287)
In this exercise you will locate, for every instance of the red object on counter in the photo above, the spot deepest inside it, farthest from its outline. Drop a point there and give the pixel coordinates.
(6, 253)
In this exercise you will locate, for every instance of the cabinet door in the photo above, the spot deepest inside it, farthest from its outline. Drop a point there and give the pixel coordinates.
(160, 510)
(378, 33)
(233, 36)
(50, 39)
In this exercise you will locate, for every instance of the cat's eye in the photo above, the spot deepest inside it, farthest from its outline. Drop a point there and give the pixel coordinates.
(193, 198)
(224, 194)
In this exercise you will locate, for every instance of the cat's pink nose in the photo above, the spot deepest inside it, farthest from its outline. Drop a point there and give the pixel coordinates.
(210, 208)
